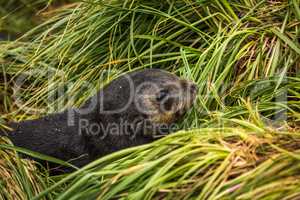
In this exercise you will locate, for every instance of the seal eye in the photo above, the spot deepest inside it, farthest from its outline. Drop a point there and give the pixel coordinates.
(161, 95)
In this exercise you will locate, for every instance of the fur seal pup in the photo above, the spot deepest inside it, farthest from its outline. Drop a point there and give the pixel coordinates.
(129, 111)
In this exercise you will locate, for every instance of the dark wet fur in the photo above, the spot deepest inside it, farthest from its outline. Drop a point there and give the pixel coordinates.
(51, 135)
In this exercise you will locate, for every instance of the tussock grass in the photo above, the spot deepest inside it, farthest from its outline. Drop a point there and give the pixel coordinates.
(243, 137)
(20, 178)
(220, 45)
(208, 163)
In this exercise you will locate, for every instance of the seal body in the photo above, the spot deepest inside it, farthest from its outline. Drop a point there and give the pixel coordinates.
(129, 111)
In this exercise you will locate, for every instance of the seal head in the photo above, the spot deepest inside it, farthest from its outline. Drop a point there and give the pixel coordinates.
(146, 102)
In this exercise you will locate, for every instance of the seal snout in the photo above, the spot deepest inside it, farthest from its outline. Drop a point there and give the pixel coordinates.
(193, 87)
(190, 87)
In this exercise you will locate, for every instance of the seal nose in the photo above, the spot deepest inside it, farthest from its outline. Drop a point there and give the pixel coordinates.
(190, 85)
(193, 87)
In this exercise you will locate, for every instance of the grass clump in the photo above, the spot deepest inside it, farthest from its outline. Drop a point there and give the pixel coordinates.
(20, 178)
(208, 163)
(232, 50)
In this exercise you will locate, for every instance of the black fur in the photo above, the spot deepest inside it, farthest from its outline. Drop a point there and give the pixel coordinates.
(59, 135)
